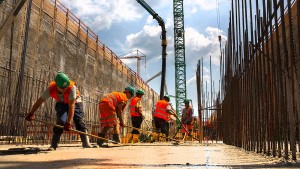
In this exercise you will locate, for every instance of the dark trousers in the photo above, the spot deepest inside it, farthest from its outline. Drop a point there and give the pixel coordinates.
(161, 126)
(136, 122)
(62, 115)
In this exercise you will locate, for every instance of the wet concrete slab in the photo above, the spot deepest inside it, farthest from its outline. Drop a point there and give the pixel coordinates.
(141, 155)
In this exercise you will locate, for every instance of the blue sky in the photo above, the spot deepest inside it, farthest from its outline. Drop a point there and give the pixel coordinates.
(125, 26)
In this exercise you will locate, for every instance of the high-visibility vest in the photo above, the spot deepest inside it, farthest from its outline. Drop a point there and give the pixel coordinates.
(114, 98)
(132, 106)
(54, 95)
(109, 120)
(107, 115)
(161, 110)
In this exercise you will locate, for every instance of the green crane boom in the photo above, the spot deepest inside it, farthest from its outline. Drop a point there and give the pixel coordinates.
(179, 47)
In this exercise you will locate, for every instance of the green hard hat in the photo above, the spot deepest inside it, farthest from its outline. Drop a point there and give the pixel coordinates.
(62, 80)
(130, 89)
(186, 101)
(168, 97)
(140, 91)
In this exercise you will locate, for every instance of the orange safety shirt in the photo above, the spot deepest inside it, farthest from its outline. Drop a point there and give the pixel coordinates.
(161, 110)
(114, 98)
(132, 107)
(54, 95)
(108, 116)
(108, 106)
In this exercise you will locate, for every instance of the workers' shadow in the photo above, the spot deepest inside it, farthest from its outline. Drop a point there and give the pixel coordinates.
(57, 164)
(27, 150)
(106, 163)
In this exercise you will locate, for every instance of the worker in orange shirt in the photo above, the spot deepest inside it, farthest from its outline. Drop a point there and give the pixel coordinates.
(162, 112)
(186, 119)
(68, 104)
(136, 109)
(111, 108)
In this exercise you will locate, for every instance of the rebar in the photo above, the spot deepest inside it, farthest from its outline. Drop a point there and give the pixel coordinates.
(267, 118)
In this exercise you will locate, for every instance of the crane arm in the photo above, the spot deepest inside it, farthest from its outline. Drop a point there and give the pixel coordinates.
(132, 57)
(153, 77)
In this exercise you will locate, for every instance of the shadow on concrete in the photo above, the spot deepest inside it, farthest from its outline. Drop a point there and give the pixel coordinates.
(104, 163)
(114, 165)
(57, 164)
(27, 150)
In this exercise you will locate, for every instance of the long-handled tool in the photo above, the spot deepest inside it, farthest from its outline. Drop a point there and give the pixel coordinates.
(181, 124)
(76, 131)
(146, 121)
(176, 132)
(151, 133)
(148, 129)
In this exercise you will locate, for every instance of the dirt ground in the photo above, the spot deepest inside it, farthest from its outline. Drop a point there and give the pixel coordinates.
(141, 155)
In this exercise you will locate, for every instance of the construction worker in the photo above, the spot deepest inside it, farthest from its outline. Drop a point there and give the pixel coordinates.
(161, 114)
(170, 121)
(187, 118)
(68, 106)
(135, 108)
(111, 108)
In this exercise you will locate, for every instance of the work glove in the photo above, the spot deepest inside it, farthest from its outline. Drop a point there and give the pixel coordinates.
(29, 117)
(67, 126)
(122, 124)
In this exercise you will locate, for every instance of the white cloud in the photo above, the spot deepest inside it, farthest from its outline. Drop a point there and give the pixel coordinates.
(152, 31)
(101, 14)
(205, 70)
(203, 45)
(204, 4)
(148, 40)
(150, 20)
(194, 10)
(191, 81)
(206, 78)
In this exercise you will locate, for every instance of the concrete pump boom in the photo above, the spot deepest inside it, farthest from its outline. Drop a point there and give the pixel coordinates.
(163, 43)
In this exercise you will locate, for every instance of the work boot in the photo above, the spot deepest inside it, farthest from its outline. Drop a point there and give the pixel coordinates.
(116, 138)
(162, 137)
(128, 138)
(85, 141)
(154, 137)
(54, 142)
(100, 141)
(135, 138)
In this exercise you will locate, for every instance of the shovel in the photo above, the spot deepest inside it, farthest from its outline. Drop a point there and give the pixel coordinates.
(76, 131)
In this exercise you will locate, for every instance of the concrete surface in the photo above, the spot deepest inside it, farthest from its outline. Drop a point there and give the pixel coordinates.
(154, 155)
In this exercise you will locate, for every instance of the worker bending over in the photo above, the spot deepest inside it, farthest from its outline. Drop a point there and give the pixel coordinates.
(186, 119)
(136, 109)
(68, 103)
(111, 108)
